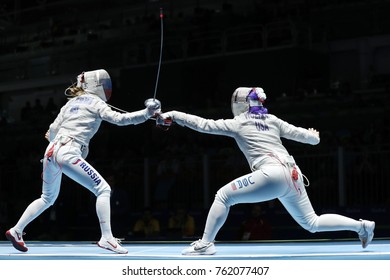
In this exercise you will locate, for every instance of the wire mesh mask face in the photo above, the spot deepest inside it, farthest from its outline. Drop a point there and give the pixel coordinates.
(239, 102)
(97, 82)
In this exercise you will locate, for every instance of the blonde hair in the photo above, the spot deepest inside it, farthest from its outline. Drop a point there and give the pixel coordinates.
(74, 91)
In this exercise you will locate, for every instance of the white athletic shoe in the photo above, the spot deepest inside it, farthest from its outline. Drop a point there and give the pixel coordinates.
(368, 232)
(200, 248)
(17, 239)
(112, 245)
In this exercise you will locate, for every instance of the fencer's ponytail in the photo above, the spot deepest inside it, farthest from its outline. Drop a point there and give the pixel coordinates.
(73, 91)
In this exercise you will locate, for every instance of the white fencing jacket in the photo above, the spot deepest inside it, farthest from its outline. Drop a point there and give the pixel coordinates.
(257, 136)
(81, 116)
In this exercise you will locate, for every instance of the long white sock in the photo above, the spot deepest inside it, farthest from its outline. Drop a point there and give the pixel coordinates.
(32, 211)
(215, 220)
(104, 212)
(335, 222)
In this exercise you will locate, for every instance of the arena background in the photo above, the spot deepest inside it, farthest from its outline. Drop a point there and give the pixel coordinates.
(324, 65)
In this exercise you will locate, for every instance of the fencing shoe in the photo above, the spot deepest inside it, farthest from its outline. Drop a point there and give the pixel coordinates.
(200, 248)
(367, 233)
(112, 245)
(17, 239)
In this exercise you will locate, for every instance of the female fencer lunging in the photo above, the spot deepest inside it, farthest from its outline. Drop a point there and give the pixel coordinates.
(274, 171)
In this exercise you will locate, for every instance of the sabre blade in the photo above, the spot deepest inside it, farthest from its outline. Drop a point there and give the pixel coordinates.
(159, 63)
(161, 51)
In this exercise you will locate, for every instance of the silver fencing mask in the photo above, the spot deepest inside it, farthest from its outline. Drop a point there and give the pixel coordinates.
(240, 102)
(96, 82)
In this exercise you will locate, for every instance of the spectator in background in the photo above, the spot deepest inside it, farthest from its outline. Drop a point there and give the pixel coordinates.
(181, 224)
(167, 172)
(147, 226)
(37, 113)
(38, 108)
(51, 108)
(26, 111)
(256, 227)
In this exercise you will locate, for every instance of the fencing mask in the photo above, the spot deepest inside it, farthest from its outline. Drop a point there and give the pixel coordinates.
(97, 82)
(245, 97)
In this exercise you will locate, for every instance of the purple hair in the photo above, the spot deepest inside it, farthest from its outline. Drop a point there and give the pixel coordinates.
(256, 109)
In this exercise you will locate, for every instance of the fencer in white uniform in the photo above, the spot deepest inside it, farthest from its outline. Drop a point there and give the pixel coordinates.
(69, 136)
(274, 171)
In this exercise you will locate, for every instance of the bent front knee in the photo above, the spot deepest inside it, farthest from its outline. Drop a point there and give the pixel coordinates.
(310, 225)
(224, 199)
(311, 228)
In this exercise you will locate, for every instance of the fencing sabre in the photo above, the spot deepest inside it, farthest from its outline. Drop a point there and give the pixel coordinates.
(159, 62)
